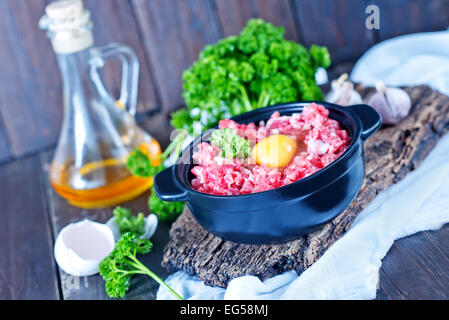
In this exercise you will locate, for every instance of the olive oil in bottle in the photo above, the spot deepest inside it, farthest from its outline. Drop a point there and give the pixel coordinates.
(98, 132)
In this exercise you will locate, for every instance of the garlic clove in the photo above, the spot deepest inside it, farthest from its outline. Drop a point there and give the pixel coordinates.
(393, 104)
(151, 223)
(379, 102)
(399, 102)
(114, 228)
(80, 247)
(150, 226)
(343, 93)
(321, 77)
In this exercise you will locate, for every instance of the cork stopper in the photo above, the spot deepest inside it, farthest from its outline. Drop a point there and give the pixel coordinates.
(68, 25)
(66, 10)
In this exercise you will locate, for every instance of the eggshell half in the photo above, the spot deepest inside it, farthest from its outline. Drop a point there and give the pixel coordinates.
(81, 246)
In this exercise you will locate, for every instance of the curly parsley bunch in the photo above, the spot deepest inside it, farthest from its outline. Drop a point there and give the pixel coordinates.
(242, 73)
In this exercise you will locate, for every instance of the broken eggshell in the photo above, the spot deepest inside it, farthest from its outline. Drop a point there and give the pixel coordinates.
(393, 104)
(81, 246)
(151, 222)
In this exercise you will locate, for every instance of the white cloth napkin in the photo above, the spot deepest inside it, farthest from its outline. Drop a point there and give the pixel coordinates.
(350, 268)
(413, 59)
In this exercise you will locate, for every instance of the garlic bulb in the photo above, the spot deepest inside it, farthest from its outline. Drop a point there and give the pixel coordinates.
(343, 93)
(393, 104)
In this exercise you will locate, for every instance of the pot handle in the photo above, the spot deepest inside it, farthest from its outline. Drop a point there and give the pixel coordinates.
(371, 120)
(166, 188)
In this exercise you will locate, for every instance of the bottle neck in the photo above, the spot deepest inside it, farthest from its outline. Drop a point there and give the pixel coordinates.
(75, 68)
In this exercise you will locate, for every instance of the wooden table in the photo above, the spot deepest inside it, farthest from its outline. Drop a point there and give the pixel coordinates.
(416, 267)
(30, 96)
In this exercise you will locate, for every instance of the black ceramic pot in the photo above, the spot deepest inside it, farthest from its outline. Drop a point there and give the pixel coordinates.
(287, 212)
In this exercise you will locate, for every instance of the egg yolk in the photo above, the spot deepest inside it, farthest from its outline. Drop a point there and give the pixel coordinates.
(275, 151)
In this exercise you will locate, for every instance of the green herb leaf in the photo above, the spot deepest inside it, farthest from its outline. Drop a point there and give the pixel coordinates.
(165, 210)
(118, 268)
(127, 222)
(232, 145)
(140, 165)
(320, 55)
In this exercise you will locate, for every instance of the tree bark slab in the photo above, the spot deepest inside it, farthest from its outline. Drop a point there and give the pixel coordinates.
(390, 154)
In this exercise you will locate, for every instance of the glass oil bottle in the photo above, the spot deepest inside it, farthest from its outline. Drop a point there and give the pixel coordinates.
(98, 132)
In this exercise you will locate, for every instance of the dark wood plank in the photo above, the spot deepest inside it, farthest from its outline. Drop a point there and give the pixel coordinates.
(418, 268)
(27, 267)
(92, 287)
(234, 14)
(440, 238)
(30, 100)
(174, 32)
(387, 290)
(409, 16)
(337, 24)
(4, 150)
(114, 21)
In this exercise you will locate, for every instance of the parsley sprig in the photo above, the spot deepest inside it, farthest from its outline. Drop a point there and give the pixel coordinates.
(140, 165)
(122, 264)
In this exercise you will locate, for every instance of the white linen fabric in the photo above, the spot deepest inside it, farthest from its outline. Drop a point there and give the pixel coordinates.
(350, 268)
(413, 59)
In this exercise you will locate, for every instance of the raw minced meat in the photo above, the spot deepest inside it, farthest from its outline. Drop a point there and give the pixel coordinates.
(320, 141)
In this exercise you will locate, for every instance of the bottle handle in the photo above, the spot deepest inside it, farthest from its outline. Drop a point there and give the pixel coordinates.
(130, 73)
